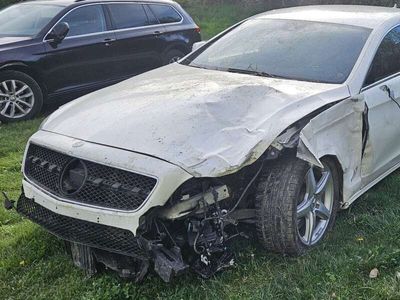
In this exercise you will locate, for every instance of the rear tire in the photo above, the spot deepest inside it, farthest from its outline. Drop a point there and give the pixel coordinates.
(172, 56)
(21, 97)
(291, 217)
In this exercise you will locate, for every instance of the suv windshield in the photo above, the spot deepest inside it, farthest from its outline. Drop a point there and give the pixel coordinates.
(300, 50)
(26, 19)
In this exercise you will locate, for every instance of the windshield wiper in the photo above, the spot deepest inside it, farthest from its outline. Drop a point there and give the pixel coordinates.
(255, 73)
(239, 71)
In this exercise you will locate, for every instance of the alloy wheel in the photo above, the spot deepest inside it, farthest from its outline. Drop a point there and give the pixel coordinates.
(16, 99)
(315, 206)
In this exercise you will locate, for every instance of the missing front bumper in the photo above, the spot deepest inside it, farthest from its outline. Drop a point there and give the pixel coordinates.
(93, 245)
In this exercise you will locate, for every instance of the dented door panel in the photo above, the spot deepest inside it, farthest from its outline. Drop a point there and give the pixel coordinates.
(337, 132)
(382, 149)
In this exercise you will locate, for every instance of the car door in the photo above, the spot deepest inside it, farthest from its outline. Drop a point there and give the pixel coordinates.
(137, 47)
(382, 95)
(84, 58)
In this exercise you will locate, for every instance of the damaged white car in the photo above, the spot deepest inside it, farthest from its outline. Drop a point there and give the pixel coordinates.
(271, 127)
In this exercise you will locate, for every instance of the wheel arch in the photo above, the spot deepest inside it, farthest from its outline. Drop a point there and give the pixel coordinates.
(339, 168)
(325, 134)
(177, 46)
(24, 68)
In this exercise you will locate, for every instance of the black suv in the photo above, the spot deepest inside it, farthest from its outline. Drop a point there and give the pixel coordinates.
(50, 49)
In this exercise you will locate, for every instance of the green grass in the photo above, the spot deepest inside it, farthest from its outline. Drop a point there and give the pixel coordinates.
(33, 264)
(212, 19)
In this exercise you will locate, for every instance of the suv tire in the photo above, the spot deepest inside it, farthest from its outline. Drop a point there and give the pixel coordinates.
(21, 97)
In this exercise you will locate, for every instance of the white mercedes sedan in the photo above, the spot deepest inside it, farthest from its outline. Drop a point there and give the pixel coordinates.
(271, 127)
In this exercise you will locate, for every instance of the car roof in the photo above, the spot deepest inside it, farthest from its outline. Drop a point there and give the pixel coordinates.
(70, 2)
(356, 15)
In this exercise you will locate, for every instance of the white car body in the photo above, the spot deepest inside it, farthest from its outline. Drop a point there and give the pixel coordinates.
(179, 122)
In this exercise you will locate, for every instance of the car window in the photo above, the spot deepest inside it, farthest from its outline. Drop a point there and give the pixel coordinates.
(26, 19)
(292, 49)
(128, 15)
(152, 18)
(85, 20)
(387, 58)
(165, 13)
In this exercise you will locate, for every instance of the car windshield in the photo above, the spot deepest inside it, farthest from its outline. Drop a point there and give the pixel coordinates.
(26, 19)
(292, 49)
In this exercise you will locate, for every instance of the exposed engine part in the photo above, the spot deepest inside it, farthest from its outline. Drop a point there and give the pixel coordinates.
(193, 232)
(208, 238)
(210, 225)
(197, 202)
(169, 263)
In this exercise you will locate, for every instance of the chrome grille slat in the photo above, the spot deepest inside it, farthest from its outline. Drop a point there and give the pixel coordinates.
(105, 186)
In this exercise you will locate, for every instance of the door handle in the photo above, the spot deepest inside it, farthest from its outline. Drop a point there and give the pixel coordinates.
(108, 41)
(157, 32)
(389, 91)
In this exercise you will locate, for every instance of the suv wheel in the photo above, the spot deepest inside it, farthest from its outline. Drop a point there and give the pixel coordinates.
(296, 205)
(173, 56)
(21, 97)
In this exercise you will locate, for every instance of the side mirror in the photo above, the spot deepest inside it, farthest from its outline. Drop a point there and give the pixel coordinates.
(59, 32)
(198, 45)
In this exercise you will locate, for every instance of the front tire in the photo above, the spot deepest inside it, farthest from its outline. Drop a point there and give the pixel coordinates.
(21, 97)
(296, 205)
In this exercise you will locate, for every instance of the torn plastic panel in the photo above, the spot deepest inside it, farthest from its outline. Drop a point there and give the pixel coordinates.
(338, 132)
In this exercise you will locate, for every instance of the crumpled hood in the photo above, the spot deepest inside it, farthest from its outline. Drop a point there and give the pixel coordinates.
(210, 123)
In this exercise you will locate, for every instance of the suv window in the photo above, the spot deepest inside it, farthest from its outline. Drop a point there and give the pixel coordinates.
(26, 19)
(387, 59)
(85, 20)
(165, 13)
(128, 15)
(152, 18)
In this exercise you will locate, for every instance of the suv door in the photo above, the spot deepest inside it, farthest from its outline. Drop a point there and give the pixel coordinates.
(137, 47)
(382, 96)
(84, 59)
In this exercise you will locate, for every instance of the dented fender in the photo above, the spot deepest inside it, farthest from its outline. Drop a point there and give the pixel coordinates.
(337, 132)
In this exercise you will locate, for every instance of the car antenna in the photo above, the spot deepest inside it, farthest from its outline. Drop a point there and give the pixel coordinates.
(395, 5)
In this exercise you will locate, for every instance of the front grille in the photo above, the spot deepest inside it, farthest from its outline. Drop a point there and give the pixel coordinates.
(95, 235)
(104, 186)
